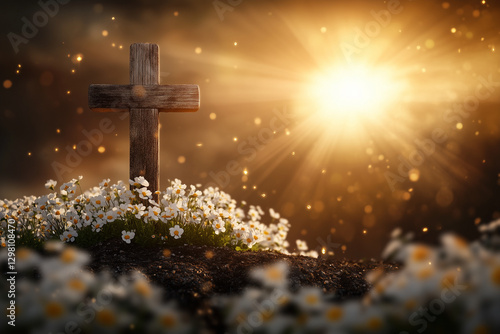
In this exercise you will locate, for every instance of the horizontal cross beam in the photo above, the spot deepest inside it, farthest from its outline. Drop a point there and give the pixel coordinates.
(165, 98)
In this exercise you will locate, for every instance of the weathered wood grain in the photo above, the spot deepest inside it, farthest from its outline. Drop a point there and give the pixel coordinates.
(144, 132)
(145, 98)
(165, 98)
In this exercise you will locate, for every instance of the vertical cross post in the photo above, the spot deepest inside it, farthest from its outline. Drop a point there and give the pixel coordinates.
(144, 98)
(144, 130)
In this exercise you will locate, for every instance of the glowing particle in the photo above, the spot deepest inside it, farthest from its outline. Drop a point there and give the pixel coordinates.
(197, 50)
(74, 147)
(263, 195)
(79, 110)
(68, 92)
(446, 5)
(323, 250)
(254, 187)
(368, 209)
(425, 229)
(181, 159)
(235, 43)
(244, 187)
(460, 126)
(418, 47)
(101, 149)
(56, 149)
(176, 13)
(424, 70)
(29, 154)
(235, 139)
(308, 207)
(213, 116)
(453, 30)
(323, 30)
(113, 44)
(323, 171)
(293, 153)
(7, 84)
(429, 44)
(199, 144)
(58, 130)
(476, 13)
(414, 175)
(476, 133)
(483, 2)
(79, 58)
(406, 196)
(72, 71)
(113, 18)
(104, 33)
(364, 231)
(209, 254)
(287, 132)
(381, 157)
(120, 47)
(245, 171)
(469, 35)
(339, 198)
(257, 121)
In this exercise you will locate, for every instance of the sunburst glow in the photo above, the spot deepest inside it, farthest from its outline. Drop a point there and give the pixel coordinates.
(350, 93)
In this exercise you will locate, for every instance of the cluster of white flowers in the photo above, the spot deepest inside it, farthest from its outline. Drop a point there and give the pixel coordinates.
(64, 297)
(451, 288)
(64, 214)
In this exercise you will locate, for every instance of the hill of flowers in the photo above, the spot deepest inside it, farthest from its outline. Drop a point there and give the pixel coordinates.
(183, 214)
(450, 288)
(453, 288)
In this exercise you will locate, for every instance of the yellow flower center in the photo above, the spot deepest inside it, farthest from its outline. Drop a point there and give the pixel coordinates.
(127, 236)
(53, 310)
(334, 313)
(142, 288)
(76, 284)
(374, 324)
(420, 253)
(312, 299)
(495, 276)
(106, 318)
(23, 253)
(68, 255)
(176, 232)
(168, 321)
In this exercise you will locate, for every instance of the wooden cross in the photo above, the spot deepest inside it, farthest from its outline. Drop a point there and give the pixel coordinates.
(145, 98)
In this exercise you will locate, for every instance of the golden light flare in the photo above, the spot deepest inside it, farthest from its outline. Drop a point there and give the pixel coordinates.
(349, 95)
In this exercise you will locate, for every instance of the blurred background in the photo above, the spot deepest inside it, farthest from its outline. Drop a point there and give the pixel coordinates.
(349, 119)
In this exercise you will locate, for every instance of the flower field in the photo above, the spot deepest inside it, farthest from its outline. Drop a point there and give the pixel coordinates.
(450, 288)
(184, 214)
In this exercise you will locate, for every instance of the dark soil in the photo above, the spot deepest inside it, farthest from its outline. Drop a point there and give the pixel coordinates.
(193, 274)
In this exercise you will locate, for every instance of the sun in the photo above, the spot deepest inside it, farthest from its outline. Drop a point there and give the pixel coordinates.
(351, 94)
